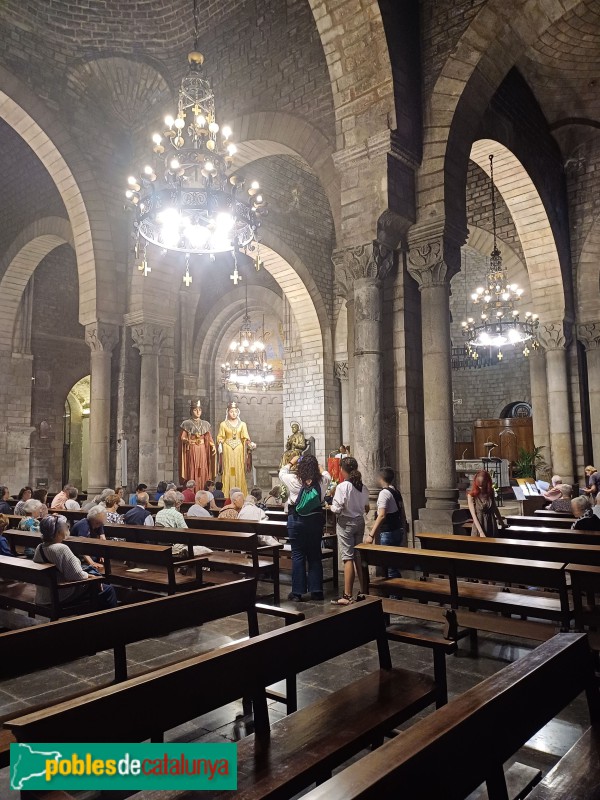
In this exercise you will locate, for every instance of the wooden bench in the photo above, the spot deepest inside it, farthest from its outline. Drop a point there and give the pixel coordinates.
(244, 556)
(457, 595)
(161, 573)
(268, 528)
(20, 578)
(585, 585)
(277, 760)
(537, 521)
(448, 754)
(549, 534)
(546, 512)
(43, 646)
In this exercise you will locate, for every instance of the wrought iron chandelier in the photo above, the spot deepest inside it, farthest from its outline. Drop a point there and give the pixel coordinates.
(185, 200)
(247, 366)
(500, 322)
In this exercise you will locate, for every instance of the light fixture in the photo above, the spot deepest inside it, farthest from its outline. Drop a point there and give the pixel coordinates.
(188, 181)
(499, 323)
(247, 366)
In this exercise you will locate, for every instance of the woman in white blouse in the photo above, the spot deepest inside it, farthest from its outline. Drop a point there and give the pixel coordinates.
(350, 503)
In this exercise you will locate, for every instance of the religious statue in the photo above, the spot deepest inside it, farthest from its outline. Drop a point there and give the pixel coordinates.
(197, 450)
(295, 446)
(235, 450)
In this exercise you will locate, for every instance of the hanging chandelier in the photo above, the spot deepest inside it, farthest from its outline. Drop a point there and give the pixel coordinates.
(247, 366)
(500, 323)
(185, 200)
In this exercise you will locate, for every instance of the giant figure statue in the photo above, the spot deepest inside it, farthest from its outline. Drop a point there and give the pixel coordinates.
(196, 449)
(296, 445)
(235, 450)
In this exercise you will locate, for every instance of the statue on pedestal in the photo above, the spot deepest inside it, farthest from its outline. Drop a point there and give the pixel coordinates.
(235, 450)
(197, 450)
(296, 445)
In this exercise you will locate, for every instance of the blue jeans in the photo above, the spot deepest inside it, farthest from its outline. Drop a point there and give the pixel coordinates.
(396, 538)
(305, 534)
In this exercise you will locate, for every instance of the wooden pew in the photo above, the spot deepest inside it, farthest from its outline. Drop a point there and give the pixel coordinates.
(245, 555)
(537, 521)
(560, 552)
(161, 573)
(43, 646)
(546, 512)
(20, 578)
(457, 595)
(585, 585)
(549, 535)
(278, 760)
(447, 755)
(268, 528)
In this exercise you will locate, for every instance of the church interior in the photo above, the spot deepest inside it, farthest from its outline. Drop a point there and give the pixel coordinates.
(314, 287)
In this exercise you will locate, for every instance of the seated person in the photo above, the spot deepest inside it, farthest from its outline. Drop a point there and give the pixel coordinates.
(171, 487)
(553, 492)
(170, 516)
(139, 514)
(274, 497)
(199, 508)
(33, 512)
(563, 505)
(232, 491)
(52, 550)
(218, 491)
(140, 489)
(120, 491)
(61, 498)
(232, 510)
(251, 509)
(160, 490)
(586, 519)
(42, 496)
(92, 526)
(112, 504)
(71, 504)
(189, 493)
(5, 507)
(24, 496)
(257, 494)
(4, 545)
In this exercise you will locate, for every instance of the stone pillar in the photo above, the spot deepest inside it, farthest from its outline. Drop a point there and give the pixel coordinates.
(589, 334)
(539, 401)
(554, 338)
(101, 339)
(341, 373)
(351, 372)
(433, 260)
(148, 339)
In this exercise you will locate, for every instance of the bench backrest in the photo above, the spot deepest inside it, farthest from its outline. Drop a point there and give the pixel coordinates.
(42, 646)
(268, 528)
(150, 704)
(515, 702)
(550, 534)
(216, 540)
(561, 523)
(18, 569)
(514, 548)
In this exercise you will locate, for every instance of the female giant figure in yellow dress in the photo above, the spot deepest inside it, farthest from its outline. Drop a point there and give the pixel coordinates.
(235, 450)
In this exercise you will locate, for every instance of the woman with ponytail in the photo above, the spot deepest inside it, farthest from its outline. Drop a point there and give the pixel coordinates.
(350, 503)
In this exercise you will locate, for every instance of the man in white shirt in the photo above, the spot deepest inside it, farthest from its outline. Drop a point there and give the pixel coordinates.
(199, 508)
(251, 511)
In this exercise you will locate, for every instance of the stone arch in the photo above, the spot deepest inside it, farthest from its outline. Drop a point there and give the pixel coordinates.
(361, 78)
(40, 128)
(588, 276)
(491, 45)
(533, 226)
(19, 262)
(272, 133)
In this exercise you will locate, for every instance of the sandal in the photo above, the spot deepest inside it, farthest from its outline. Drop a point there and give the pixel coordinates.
(344, 600)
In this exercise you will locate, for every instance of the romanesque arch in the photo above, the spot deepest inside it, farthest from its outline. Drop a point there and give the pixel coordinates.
(588, 276)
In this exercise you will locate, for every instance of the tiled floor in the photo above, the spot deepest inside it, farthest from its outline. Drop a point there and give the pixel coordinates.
(464, 671)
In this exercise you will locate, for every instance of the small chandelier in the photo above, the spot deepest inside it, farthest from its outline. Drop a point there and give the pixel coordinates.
(500, 322)
(247, 366)
(185, 200)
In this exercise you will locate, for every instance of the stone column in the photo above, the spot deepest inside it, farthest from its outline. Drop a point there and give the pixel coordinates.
(589, 334)
(539, 400)
(432, 262)
(554, 337)
(101, 339)
(341, 373)
(148, 339)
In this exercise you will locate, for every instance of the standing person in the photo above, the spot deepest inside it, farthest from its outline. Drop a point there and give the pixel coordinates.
(482, 505)
(23, 497)
(350, 503)
(390, 523)
(307, 485)
(592, 479)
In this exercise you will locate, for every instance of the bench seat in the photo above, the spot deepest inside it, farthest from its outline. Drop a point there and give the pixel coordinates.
(577, 774)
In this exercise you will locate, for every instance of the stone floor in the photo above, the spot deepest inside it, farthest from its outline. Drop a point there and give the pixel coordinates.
(464, 671)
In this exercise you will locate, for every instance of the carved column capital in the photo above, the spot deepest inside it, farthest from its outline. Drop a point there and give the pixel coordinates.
(148, 338)
(434, 253)
(342, 280)
(554, 335)
(341, 370)
(101, 337)
(589, 334)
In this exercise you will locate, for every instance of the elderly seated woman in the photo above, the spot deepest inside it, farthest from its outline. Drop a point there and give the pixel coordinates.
(232, 510)
(4, 545)
(199, 509)
(274, 497)
(170, 516)
(563, 504)
(23, 496)
(52, 550)
(33, 513)
(586, 519)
